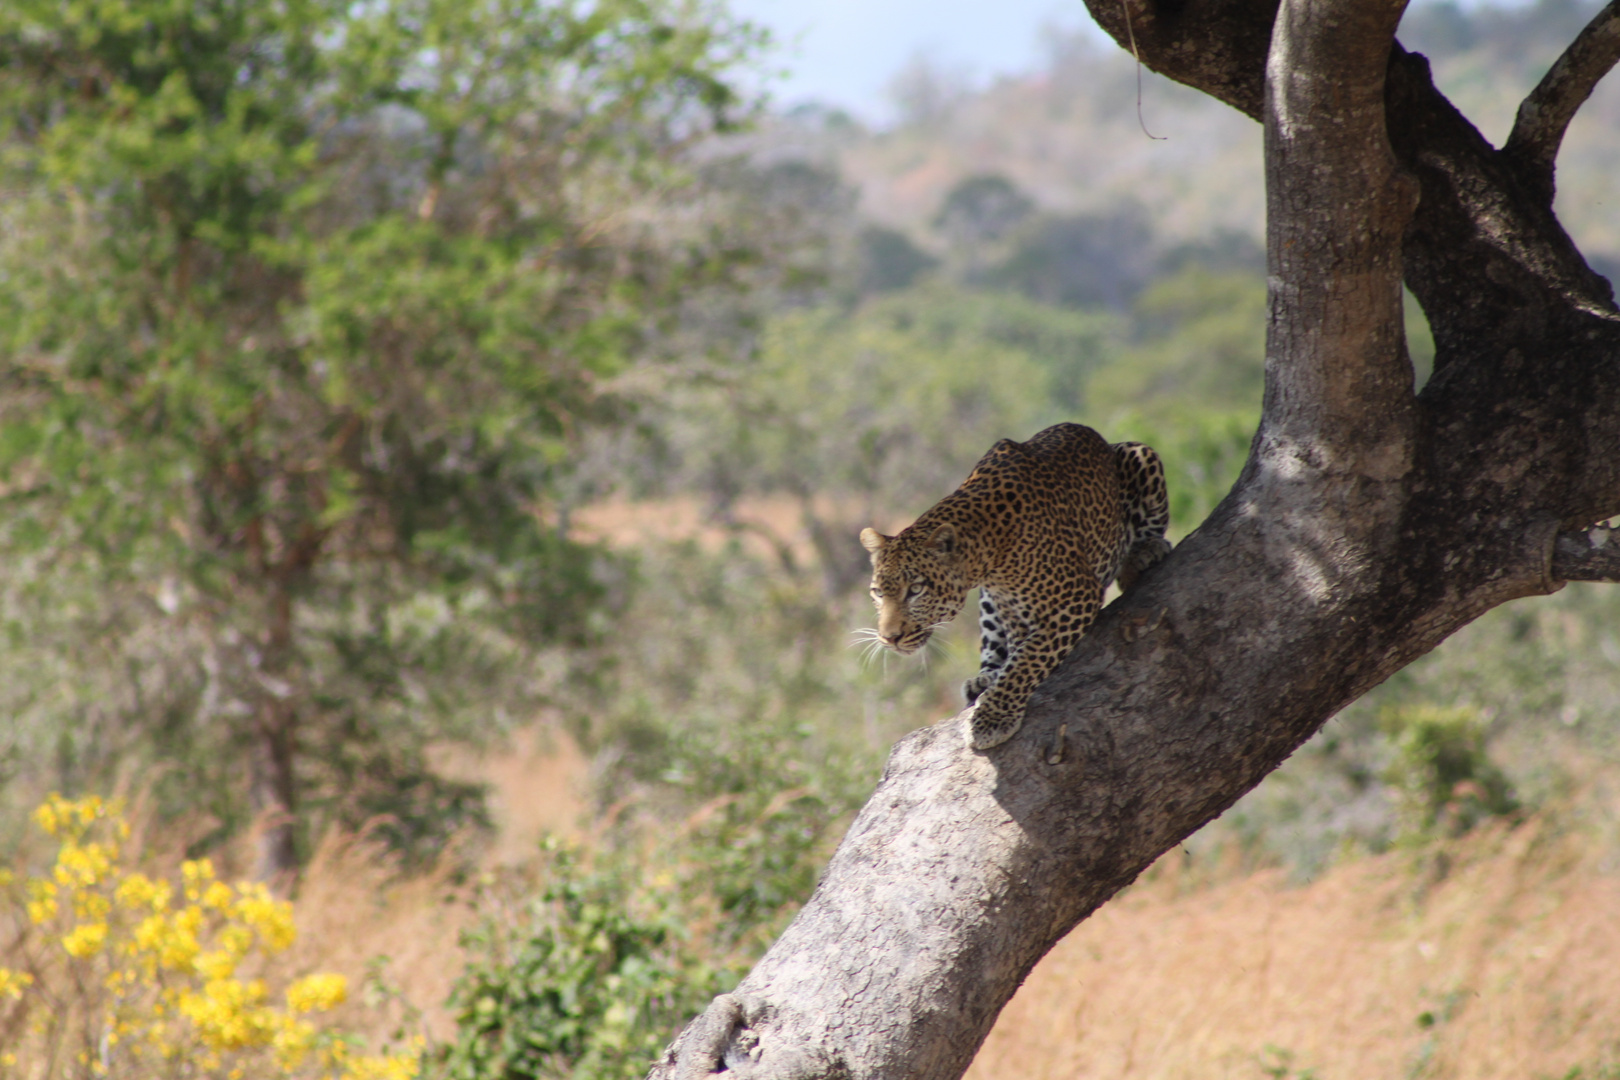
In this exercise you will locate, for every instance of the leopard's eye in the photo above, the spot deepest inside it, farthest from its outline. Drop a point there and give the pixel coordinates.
(915, 589)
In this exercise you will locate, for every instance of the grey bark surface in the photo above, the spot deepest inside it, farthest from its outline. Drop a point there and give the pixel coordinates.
(1369, 523)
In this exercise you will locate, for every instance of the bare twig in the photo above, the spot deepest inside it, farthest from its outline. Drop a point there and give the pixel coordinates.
(1590, 555)
(1545, 114)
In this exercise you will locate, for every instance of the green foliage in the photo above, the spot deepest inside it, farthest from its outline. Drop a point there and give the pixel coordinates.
(981, 210)
(1080, 261)
(588, 980)
(887, 260)
(732, 679)
(894, 400)
(1201, 342)
(1277, 1062)
(1446, 782)
(1603, 1071)
(305, 305)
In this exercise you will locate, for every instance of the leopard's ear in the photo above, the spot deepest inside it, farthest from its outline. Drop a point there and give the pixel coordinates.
(943, 539)
(873, 541)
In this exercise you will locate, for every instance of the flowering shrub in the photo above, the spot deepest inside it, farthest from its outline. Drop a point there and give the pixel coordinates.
(127, 975)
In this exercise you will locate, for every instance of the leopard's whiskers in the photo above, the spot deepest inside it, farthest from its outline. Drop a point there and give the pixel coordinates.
(934, 642)
(870, 644)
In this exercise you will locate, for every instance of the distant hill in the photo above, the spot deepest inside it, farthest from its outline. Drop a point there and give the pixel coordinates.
(1071, 138)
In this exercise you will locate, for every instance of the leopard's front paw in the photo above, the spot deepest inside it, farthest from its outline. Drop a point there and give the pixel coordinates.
(989, 727)
(976, 686)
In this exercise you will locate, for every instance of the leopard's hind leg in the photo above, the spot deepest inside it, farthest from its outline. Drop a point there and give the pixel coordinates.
(1146, 504)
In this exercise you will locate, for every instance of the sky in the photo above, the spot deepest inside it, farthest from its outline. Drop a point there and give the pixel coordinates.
(845, 52)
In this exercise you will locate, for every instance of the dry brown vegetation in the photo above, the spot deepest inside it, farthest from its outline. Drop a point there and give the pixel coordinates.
(1496, 955)
(1508, 965)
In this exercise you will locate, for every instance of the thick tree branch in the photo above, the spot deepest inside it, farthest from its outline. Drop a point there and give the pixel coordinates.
(1335, 354)
(1592, 555)
(1544, 115)
(1217, 46)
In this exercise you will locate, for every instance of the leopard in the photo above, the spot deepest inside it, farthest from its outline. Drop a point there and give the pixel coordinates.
(1040, 528)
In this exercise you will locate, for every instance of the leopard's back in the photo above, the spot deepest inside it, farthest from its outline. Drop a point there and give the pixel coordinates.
(1032, 512)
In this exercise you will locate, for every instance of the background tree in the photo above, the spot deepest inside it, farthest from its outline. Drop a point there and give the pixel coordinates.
(1370, 522)
(305, 304)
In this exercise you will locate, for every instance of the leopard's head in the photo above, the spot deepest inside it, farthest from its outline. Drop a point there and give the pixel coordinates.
(916, 584)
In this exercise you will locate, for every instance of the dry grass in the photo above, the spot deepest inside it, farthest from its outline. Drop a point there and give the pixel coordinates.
(1506, 963)
(1512, 953)
(1498, 958)
(537, 787)
(762, 524)
(1508, 966)
(356, 917)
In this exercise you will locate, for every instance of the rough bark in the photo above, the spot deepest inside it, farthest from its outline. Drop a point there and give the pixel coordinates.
(1369, 523)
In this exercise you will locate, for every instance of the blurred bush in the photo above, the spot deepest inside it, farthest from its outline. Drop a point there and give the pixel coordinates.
(586, 980)
(1445, 781)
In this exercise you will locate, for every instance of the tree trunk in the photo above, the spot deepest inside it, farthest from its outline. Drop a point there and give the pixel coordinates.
(1368, 524)
(272, 792)
(273, 786)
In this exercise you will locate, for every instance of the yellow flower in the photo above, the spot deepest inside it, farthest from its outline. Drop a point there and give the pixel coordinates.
(86, 940)
(235, 940)
(194, 872)
(138, 891)
(47, 816)
(228, 1014)
(13, 983)
(90, 907)
(317, 993)
(41, 901)
(216, 965)
(270, 918)
(79, 867)
(292, 1043)
(169, 942)
(59, 816)
(382, 1067)
(217, 896)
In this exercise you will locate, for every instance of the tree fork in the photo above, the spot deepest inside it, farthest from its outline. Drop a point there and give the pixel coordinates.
(1369, 523)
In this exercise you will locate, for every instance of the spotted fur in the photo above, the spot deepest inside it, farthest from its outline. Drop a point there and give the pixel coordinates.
(1040, 528)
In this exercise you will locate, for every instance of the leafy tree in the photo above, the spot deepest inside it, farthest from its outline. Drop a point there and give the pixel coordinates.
(887, 260)
(1080, 260)
(881, 405)
(305, 304)
(1200, 338)
(979, 214)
